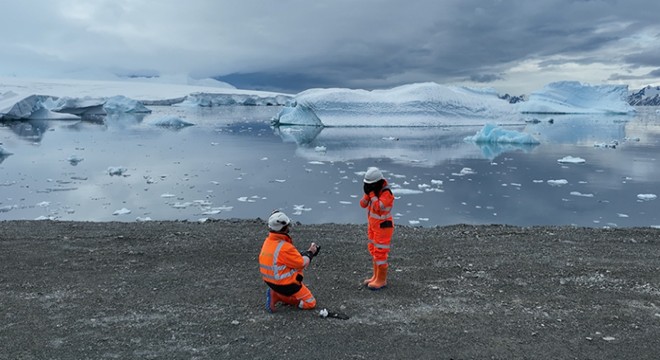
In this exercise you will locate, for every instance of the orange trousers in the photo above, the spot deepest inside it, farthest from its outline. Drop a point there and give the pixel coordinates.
(379, 244)
(303, 299)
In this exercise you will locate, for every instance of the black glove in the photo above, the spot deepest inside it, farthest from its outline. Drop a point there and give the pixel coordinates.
(310, 254)
(367, 188)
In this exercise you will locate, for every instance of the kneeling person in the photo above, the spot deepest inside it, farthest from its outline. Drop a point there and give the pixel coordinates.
(282, 266)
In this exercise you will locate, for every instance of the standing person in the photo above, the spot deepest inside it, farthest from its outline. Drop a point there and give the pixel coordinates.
(378, 200)
(282, 265)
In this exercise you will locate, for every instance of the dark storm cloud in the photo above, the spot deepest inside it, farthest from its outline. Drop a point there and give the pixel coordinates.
(485, 78)
(299, 44)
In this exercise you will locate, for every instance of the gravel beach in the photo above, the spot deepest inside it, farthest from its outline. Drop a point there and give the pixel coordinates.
(185, 290)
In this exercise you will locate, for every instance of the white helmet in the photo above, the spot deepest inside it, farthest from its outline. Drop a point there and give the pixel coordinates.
(372, 175)
(278, 221)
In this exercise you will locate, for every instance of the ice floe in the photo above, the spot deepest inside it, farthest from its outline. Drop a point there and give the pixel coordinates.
(571, 160)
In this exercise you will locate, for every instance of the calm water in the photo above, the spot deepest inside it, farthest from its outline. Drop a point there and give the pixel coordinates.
(232, 164)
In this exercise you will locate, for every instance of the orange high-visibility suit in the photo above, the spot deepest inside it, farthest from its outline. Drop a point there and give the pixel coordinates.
(381, 225)
(281, 266)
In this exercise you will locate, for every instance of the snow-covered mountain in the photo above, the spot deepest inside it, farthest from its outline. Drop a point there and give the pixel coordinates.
(513, 99)
(648, 96)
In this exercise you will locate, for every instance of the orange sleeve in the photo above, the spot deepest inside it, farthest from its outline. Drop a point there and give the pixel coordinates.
(290, 256)
(364, 202)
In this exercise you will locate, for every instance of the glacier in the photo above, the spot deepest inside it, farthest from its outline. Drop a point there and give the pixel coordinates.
(421, 104)
(572, 97)
(431, 104)
(412, 105)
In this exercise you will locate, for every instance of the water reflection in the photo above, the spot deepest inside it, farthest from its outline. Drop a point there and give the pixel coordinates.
(231, 163)
(430, 146)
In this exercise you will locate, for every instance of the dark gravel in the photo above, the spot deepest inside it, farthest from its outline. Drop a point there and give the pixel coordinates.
(181, 290)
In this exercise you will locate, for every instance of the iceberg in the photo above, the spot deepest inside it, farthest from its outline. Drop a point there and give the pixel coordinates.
(494, 140)
(45, 99)
(421, 104)
(14, 106)
(572, 97)
(494, 134)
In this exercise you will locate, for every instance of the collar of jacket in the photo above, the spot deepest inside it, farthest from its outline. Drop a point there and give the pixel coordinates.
(279, 237)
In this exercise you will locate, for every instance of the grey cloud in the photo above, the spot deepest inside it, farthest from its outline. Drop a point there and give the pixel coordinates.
(485, 78)
(299, 44)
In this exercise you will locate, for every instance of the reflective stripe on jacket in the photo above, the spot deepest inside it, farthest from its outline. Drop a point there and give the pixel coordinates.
(280, 262)
(379, 206)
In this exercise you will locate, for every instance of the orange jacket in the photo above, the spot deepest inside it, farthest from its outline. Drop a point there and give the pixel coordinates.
(280, 262)
(379, 206)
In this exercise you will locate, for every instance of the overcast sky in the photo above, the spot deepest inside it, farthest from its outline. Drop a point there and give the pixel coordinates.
(292, 45)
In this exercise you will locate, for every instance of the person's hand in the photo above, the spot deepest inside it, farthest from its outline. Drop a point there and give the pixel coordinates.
(367, 188)
(314, 249)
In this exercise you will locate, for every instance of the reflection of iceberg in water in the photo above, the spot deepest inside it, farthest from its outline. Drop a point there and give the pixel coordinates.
(579, 129)
(419, 146)
(429, 146)
(492, 150)
(301, 135)
(31, 130)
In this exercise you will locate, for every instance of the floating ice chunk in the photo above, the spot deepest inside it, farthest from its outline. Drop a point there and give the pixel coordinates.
(116, 170)
(43, 204)
(493, 134)
(43, 217)
(6, 208)
(558, 182)
(143, 219)
(4, 152)
(122, 211)
(571, 160)
(436, 182)
(464, 171)
(413, 222)
(301, 208)
(406, 191)
(345, 202)
(170, 122)
(622, 215)
(74, 160)
(316, 163)
(647, 197)
(577, 193)
(320, 149)
(612, 145)
(167, 195)
(182, 205)
(122, 104)
(280, 180)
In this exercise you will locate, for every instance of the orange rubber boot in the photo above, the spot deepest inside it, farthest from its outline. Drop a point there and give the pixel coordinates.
(381, 278)
(272, 300)
(372, 278)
